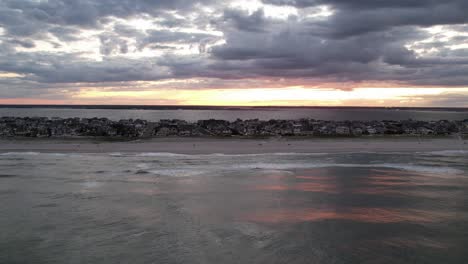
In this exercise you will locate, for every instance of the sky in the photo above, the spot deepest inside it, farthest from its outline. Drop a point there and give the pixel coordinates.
(235, 52)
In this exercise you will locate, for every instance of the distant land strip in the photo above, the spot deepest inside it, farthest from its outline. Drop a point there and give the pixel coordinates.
(42, 127)
(201, 107)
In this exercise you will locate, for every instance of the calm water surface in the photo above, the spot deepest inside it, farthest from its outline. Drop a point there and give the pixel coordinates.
(231, 115)
(264, 208)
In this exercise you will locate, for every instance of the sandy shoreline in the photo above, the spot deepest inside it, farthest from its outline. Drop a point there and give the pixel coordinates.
(237, 146)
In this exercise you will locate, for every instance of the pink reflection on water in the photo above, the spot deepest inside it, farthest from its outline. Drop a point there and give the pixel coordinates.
(368, 215)
(416, 242)
(311, 183)
(370, 248)
(316, 178)
(303, 187)
(383, 182)
(377, 191)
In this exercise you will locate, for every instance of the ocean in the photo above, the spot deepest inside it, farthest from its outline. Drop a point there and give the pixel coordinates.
(216, 208)
(189, 114)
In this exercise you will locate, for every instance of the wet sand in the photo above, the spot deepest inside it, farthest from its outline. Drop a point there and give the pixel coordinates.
(237, 146)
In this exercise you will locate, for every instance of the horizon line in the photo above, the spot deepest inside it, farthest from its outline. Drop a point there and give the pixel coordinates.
(117, 106)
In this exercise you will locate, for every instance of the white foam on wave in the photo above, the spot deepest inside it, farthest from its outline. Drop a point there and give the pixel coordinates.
(91, 184)
(277, 172)
(169, 154)
(406, 167)
(267, 154)
(143, 166)
(447, 153)
(179, 172)
(63, 154)
(286, 168)
(147, 154)
(160, 154)
(28, 153)
(419, 168)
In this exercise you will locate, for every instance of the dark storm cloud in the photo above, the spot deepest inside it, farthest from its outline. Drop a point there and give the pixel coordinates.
(25, 43)
(72, 68)
(242, 20)
(346, 23)
(167, 36)
(127, 31)
(362, 4)
(353, 17)
(291, 52)
(65, 34)
(112, 44)
(172, 22)
(363, 40)
(89, 12)
(26, 17)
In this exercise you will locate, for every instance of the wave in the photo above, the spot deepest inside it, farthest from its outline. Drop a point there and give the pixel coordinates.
(169, 154)
(269, 154)
(30, 153)
(160, 154)
(147, 154)
(447, 153)
(20, 153)
(262, 167)
(216, 165)
(406, 167)
(179, 172)
(116, 154)
(420, 168)
(91, 184)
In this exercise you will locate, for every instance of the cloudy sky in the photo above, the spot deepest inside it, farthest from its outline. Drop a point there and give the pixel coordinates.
(239, 52)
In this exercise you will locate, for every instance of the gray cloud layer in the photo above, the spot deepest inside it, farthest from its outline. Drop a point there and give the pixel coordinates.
(363, 40)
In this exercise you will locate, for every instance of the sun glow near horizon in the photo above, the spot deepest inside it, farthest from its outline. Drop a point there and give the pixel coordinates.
(290, 96)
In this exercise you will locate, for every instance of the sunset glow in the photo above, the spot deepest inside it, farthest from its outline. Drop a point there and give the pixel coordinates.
(237, 52)
(273, 96)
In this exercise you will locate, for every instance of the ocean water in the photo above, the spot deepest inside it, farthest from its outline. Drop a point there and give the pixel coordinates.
(231, 115)
(259, 208)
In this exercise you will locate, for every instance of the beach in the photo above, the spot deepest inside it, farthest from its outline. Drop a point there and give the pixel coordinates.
(236, 146)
